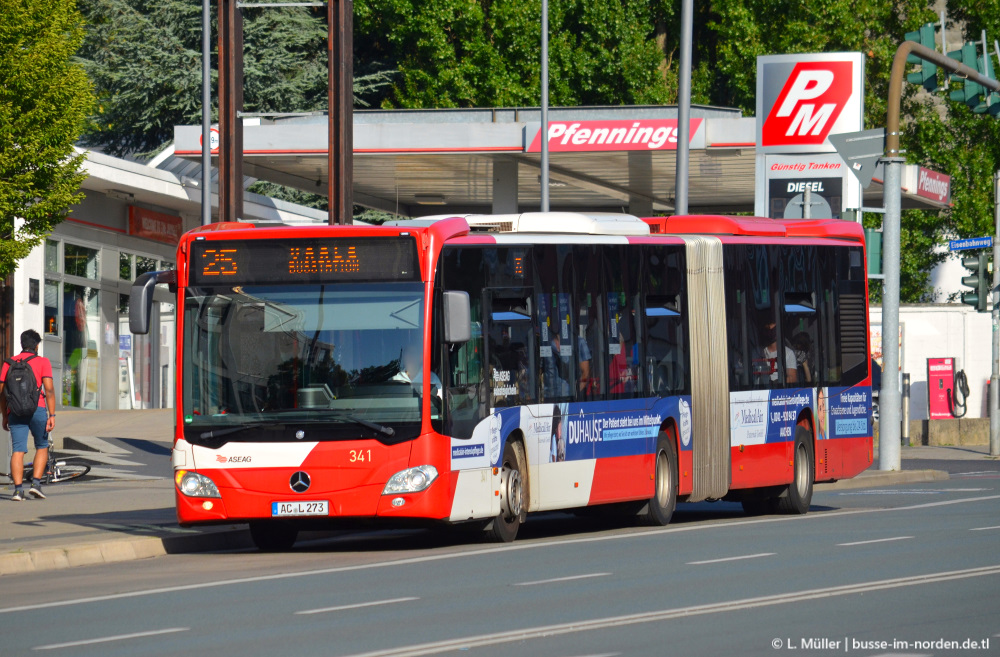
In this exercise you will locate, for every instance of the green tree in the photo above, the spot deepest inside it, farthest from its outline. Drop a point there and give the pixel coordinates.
(144, 57)
(486, 53)
(44, 101)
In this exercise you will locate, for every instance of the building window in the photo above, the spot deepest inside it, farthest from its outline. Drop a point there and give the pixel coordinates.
(81, 261)
(144, 265)
(51, 255)
(125, 266)
(52, 308)
(81, 343)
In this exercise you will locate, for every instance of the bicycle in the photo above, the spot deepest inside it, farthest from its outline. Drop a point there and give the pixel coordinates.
(57, 470)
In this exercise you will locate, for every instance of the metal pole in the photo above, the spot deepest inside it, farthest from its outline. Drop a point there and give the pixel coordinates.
(995, 379)
(889, 398)
(206, 113)
(545, 106)
(684, 110)
(340, 113)
(807, 203)
(230, 105)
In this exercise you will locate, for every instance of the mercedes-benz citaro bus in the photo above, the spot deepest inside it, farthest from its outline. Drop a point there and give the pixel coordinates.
(474, 369)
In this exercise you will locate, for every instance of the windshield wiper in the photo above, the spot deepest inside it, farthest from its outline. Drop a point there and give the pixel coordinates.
(384, 430)
(225, 431)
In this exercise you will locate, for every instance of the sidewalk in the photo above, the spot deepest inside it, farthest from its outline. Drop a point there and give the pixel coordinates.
(103, 521)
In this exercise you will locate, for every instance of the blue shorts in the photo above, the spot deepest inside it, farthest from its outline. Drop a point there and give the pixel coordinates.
(20, 425)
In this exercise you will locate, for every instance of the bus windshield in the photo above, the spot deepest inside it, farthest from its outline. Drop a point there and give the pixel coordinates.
(270, 362)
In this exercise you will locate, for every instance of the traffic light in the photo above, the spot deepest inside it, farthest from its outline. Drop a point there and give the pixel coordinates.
(971, 91)
(991, 99)
(927, 75)
(977, 264)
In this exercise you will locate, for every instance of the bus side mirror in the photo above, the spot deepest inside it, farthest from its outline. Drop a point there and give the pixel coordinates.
(140, 300)
(457, 316)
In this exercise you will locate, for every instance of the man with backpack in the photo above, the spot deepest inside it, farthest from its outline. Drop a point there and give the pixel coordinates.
(28, 405)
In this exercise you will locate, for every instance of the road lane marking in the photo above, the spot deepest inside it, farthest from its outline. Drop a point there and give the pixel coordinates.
(745, 556)
(875, 540)
(548, 631)
(562, 579)
(556, 543)
(983, 529)
(359, 605)
(107, 639)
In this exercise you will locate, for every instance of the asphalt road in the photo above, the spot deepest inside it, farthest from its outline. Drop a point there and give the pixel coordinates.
(895, 571)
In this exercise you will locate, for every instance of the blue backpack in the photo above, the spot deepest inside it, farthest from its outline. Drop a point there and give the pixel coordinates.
(21, 387)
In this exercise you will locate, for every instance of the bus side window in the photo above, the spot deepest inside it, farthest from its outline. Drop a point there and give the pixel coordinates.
(736, 273)
(590, 333)
(510, 333)
(800, 323)
(667, 354)
(624, 323)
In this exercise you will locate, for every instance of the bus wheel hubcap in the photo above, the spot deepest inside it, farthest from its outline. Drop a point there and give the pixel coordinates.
(511, 488)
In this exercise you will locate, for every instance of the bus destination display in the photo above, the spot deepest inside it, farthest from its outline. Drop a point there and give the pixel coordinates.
(250, 262)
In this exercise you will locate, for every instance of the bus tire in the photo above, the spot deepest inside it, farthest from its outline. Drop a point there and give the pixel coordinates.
(660, 508)
(798, 497)
(273, 536)
(513, 496)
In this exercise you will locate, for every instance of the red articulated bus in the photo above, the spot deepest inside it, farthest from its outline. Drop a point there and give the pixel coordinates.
(474, 369)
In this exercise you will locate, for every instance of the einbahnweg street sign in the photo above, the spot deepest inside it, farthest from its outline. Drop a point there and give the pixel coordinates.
(970, 243)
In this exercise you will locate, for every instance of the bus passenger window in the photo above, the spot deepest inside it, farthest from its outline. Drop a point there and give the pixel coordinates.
(622, 347)
(510, 358)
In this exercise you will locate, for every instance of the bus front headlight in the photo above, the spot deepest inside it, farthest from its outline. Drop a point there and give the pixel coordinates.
(411, 480)
(193, 484)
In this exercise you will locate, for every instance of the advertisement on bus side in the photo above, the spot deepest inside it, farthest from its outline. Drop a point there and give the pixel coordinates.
(574, 431)
(759, 417)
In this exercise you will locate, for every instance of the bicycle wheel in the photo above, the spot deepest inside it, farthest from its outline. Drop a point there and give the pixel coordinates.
(29, 472)
(68, 471)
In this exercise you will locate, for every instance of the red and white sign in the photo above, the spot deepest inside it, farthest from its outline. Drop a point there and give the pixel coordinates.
(809, 104)
(933, 185)
(152, 225)
(804, 98)
(213, 140)
(628, 135)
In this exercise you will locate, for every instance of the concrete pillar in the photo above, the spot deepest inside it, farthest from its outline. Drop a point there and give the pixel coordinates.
(640, 180)
(504, 186)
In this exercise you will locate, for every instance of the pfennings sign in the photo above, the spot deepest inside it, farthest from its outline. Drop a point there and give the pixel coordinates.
(802, 99)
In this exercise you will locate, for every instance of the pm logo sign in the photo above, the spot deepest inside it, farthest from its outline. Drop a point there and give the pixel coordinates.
(802, 99)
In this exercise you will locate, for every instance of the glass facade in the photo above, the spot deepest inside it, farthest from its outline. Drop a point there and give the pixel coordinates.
(86, 321)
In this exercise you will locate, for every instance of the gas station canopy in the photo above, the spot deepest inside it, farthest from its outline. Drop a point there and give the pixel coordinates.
(613, 159)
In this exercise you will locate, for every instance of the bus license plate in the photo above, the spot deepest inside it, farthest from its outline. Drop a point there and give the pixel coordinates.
(300, 508)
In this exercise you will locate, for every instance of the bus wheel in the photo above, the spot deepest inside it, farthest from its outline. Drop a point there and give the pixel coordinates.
(513, 498)
(273, 536)
(660, 507)
(799, 494)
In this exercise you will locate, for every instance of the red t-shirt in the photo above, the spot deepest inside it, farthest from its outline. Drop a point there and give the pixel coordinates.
(41, 366)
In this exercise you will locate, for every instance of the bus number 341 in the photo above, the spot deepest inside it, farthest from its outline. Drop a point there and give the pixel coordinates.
(360, 455)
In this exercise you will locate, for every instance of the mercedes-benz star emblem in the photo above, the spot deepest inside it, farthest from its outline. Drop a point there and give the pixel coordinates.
(299, 482)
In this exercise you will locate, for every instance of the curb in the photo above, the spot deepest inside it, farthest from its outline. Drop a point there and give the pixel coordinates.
(886, 478)
(126, 549)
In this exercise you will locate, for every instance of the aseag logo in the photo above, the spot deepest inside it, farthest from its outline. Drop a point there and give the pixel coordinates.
(809, 104)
